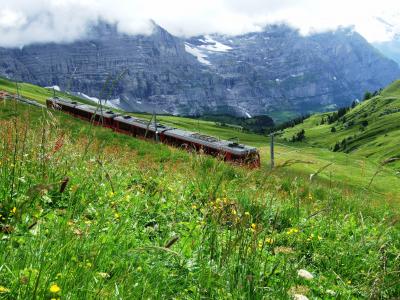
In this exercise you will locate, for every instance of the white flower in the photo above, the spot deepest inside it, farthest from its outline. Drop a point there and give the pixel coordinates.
(305, 274)
(299, 297)
(330, 292)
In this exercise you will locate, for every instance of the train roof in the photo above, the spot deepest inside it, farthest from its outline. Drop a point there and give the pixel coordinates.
(105, 112)
(141, 123)
(212, 142)
(65, 102)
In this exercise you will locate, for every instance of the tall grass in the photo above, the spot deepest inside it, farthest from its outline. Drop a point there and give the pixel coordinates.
(110, 217)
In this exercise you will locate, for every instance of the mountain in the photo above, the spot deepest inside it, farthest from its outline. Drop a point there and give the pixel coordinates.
(370, 129)
(279, 68)
(276, 71)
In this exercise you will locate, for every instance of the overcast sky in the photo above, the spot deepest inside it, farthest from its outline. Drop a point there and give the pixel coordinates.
(28, 21)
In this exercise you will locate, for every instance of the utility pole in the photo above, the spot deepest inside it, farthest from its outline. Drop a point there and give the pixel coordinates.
(272, 151)
(16, 83)
(155, 127)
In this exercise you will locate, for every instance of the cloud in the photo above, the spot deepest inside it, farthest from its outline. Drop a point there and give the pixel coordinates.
(23, 22)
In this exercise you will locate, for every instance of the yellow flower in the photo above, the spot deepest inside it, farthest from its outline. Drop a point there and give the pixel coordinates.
(292, 230)
(234, 212)
(253, 226)
(54, 288)
(269, 241)
(319, 237)
(4, 289)
(117, 215)
(247, 213)
(194, 206)
(14, 210)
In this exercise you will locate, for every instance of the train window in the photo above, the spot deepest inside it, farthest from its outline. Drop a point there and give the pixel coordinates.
(74, 102)
(127, 117)
(109, 112)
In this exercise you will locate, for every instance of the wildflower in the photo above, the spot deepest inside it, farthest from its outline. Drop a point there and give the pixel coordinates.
(310, 197)
(253, 227)
(4, 289)
(234, 212)
(247, 213)
(194, 206)
(14, 210)
(269, 240)
(117, 215)
(319, 237)
(331, 293)
(305, 274)
(292, 231)
(104, 275)
(54, 288)
(349, 282)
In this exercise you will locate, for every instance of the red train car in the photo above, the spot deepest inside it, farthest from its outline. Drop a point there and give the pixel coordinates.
(229, 151)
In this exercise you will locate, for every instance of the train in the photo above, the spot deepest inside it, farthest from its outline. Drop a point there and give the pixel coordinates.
(230, 151)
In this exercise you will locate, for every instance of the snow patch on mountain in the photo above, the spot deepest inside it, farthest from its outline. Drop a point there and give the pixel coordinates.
(54, 87)
(212, 45)
(114, 103)
(197, 53)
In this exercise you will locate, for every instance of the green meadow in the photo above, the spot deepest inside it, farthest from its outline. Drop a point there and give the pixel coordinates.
(87, 213)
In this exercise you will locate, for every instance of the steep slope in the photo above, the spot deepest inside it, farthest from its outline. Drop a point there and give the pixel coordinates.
(275, 72)
(371, 129)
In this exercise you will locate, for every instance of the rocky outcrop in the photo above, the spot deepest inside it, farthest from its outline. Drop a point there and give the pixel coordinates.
(258, 73)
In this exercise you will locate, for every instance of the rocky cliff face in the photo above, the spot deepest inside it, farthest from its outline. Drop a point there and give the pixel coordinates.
(253, 74)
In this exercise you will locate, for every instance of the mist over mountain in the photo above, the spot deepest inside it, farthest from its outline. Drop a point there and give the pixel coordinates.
(275, 70)
(390, 48)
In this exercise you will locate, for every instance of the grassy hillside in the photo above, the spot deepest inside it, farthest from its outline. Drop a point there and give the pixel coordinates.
(352, 172)
(90, 214)
(371, 129)
(34, 92)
